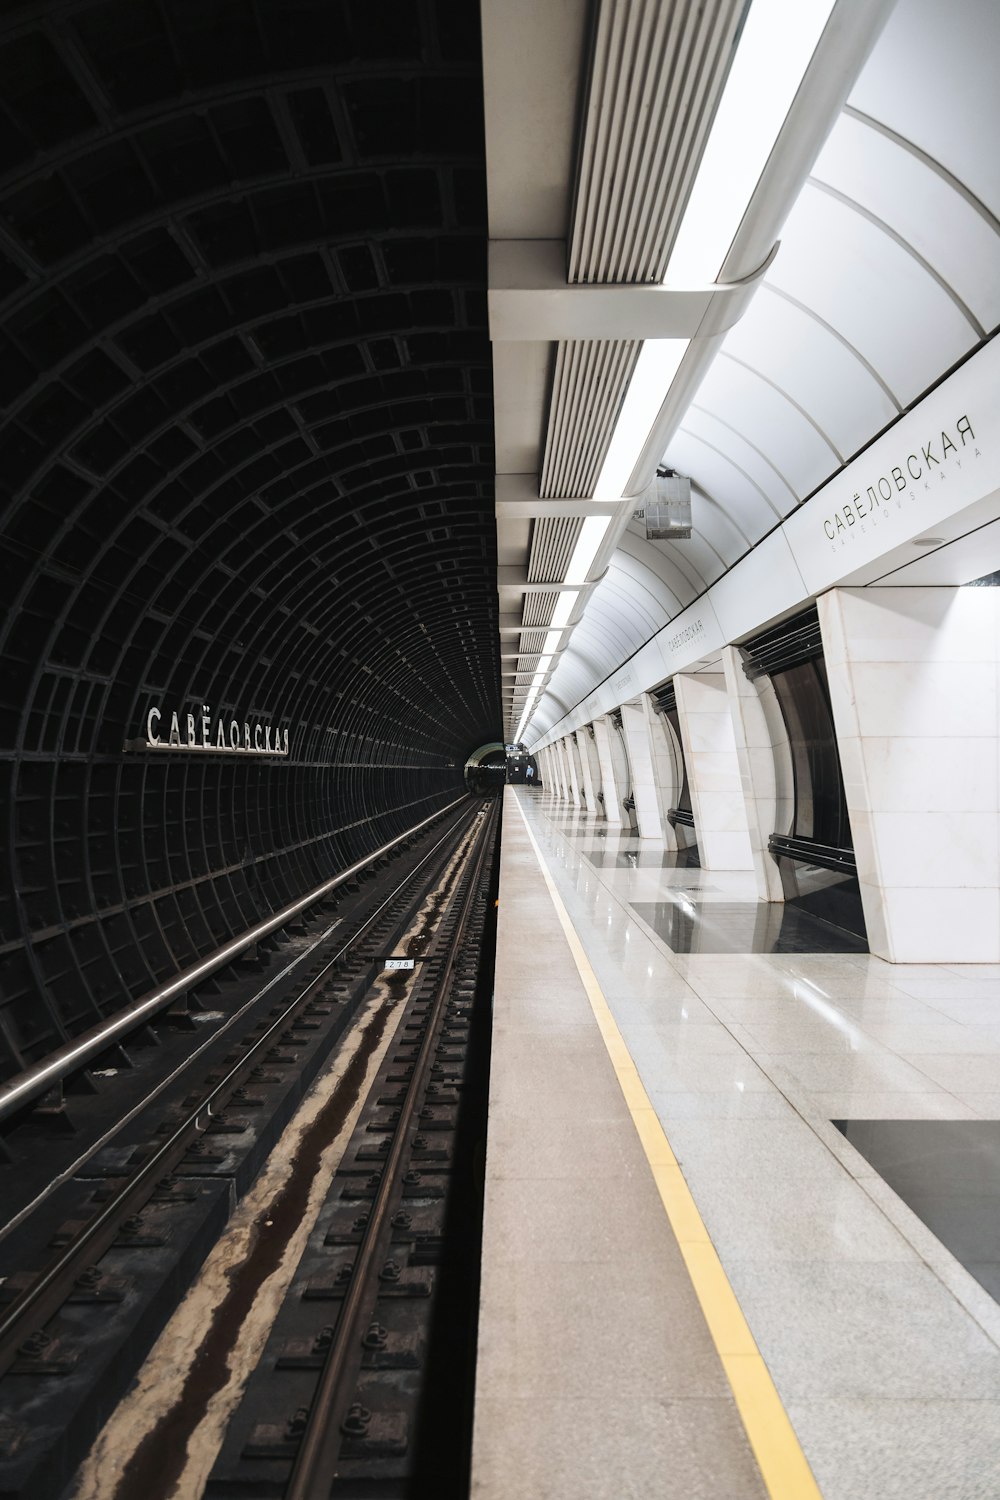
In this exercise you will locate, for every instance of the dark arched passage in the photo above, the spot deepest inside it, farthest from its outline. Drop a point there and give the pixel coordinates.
(245, 466)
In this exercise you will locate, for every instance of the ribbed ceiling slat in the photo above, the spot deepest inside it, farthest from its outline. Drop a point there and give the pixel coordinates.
(657, 74)
(538, 609)
(552, 541)
(590, 382)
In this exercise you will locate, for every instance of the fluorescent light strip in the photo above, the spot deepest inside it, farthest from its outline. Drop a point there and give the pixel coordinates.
(592, 534)
(564, 608)
(774, 51)
(658, 363)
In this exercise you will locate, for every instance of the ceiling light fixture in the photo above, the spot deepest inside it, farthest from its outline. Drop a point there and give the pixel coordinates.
(592, 534)
(774, 51)
(658, 363)
(564, 608)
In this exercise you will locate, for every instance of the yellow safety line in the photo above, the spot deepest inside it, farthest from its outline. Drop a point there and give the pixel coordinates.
(782, 1463)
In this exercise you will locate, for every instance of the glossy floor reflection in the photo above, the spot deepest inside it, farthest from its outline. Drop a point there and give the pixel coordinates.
(691, 926)
(644, 859)
(948, 1172)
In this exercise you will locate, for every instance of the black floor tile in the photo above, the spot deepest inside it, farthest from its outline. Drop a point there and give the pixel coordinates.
(948, 1173)
(743, 927)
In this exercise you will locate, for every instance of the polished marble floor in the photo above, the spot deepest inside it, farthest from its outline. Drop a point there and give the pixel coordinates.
(884, 1343)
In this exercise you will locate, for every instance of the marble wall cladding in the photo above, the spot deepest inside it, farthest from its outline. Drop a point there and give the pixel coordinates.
(915, 688)
(765, 765)
(640, 755)
(609, 787)
(582, 739)
(720, 815)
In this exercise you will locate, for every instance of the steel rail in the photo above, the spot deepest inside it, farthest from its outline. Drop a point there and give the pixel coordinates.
(315, 1462)
(30, 1084)
(45, 1295)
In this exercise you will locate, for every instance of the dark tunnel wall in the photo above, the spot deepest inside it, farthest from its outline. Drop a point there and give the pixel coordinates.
(245, 462)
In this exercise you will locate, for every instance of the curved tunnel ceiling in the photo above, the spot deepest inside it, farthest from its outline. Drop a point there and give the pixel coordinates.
(888, 274)
(245, 462)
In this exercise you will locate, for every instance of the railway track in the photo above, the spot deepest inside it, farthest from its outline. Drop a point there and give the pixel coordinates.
(142, 1211)
(366, 1382)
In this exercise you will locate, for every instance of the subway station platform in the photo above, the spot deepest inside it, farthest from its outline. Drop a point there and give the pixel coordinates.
(742, 1187)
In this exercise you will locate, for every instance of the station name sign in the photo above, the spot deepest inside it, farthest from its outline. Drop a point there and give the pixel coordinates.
(209, 735)
(928, 463)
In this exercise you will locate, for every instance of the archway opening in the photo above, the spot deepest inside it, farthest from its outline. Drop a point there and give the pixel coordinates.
(486, 769)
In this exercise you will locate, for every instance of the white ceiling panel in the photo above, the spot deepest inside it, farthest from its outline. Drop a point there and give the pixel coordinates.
(872, 291)
(933, 79)
(801, 354)
(678, 585)
(923, 206)
(713, 521)
(696, 558)
(770, 419)
(778, 496)
(656, 599)
(678, 568)
(720, 475)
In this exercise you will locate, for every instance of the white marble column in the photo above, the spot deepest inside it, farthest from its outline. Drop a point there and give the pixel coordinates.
(550, 760)
(557, 778)
(569, 751)
(663, 769)
(594, 762)
(582, 739)
(765, 763)
(914, 685)
(713, 770)
(640, 757)
(668, 762)
(563, 771)
(545, 762)
(609, 786)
